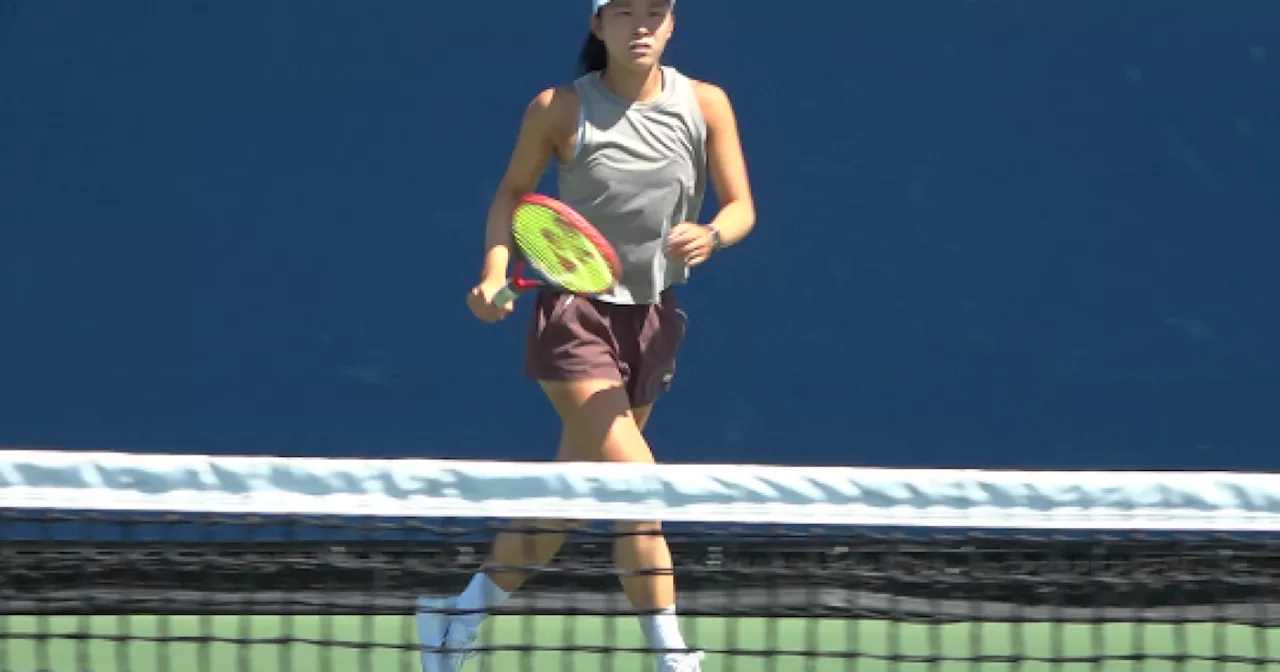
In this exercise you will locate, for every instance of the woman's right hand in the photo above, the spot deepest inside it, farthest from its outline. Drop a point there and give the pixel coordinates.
(480, 301)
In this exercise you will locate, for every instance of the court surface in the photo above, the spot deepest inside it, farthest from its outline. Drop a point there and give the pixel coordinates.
(373, 643)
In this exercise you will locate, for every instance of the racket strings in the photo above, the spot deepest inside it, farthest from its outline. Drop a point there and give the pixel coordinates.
(560, 252)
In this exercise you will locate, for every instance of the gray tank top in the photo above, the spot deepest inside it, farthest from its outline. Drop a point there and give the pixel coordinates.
(639, 169)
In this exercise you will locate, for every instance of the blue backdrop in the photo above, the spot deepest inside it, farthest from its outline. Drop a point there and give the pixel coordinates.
(994, 233)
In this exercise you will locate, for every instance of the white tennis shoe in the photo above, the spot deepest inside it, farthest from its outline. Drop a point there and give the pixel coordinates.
(448, 640)
(680, 662)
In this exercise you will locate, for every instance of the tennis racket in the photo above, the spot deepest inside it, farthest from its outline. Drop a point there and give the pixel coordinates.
(561, 247)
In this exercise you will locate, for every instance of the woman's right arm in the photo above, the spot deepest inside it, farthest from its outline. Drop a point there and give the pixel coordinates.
(536, 144)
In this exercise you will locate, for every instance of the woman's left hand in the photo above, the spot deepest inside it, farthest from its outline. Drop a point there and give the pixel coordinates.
(690, 243)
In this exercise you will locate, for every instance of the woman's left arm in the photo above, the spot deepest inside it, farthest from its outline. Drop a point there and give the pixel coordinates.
(726, 165)
(692, 242)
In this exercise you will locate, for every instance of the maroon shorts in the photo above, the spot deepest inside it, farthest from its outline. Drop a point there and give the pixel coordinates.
(576, 338)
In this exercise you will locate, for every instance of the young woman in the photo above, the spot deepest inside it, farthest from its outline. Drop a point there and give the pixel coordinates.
(635, 143)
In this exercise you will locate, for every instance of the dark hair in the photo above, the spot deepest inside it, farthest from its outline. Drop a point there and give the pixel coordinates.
(594, 56)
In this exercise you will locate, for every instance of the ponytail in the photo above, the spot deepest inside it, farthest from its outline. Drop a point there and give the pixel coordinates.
(594, 56)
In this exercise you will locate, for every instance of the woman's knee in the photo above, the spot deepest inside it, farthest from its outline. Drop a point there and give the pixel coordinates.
(637, 528)
(597, 422)
(546, 526)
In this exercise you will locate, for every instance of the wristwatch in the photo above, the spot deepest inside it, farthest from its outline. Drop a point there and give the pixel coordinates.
(716, 243)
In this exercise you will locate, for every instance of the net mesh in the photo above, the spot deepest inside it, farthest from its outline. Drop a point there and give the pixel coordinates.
(255, 583)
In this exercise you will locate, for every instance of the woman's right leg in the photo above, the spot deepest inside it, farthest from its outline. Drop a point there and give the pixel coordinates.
(524, 547)
(601, 426)
(520, 550)
(517, 553)
(598, 426)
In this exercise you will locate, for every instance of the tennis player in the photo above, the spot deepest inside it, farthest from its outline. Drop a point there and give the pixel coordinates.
(635, 142)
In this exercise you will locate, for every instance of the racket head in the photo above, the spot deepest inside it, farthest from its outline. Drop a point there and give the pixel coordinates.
(563, 247)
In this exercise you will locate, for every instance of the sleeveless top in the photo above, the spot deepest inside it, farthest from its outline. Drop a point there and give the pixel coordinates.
(638, 170)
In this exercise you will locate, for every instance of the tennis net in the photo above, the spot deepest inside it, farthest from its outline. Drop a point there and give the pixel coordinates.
(146, 563)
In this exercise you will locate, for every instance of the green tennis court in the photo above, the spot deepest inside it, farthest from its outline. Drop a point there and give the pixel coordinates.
(372, 643)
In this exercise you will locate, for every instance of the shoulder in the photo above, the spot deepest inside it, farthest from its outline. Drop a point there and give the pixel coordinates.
(713, 101)
(556, 99)
(554, 107)
(708, 93)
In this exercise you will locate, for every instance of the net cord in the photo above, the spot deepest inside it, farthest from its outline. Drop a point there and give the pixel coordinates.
(767, 494)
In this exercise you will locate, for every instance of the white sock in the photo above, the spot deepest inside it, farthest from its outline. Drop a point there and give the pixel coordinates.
(661, 629)
(481, 595)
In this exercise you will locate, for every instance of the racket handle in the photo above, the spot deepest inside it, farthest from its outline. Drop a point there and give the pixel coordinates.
(504, 295)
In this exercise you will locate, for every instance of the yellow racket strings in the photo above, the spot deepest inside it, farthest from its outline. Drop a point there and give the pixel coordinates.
(560, 252)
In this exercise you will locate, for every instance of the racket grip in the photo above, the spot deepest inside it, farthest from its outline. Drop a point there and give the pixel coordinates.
(504, 295)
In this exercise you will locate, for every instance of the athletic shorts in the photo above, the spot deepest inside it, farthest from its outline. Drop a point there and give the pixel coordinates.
(576, 338)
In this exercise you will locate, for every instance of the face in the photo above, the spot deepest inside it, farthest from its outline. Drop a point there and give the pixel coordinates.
(636, 32)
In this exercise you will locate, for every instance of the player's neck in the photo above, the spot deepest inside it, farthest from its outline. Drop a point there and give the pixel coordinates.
(640, 86)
